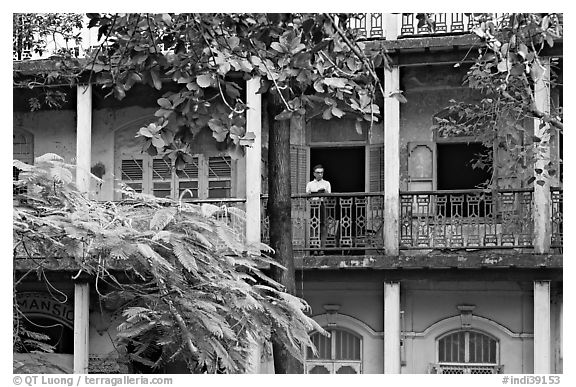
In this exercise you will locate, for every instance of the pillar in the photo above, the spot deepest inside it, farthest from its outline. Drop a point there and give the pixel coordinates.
(542, 343)
(391, 162)
(83, 137)
(253, 163)
(81, 316)
(391, 327)
(542, 200)
(83, 161)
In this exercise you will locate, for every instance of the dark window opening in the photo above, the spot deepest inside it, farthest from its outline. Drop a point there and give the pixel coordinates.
(456, 172)
(344, 168)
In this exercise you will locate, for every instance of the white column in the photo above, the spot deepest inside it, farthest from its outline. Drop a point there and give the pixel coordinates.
(391, 23)
(83, 161)
(81, 316)
(253, 163)
(391, 327)
(542, 220)
(83, 137)
(542, 338)
(391, 161)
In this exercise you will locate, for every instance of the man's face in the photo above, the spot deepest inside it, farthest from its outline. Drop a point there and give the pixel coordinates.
(318, 174)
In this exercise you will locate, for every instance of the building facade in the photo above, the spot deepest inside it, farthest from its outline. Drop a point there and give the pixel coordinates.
(413, 269)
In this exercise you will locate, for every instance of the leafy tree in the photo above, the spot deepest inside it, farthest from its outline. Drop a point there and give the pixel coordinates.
(307, 64)
(504, 74)
(184, 282)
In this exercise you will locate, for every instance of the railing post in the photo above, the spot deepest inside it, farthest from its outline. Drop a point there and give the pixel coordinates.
(542, 211)
(83, 161)
(391, 162)
(253, 163)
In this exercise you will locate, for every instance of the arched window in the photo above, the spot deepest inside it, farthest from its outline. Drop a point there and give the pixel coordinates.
(467, 352)
(23, 150)
(23, 146)
(341, 353)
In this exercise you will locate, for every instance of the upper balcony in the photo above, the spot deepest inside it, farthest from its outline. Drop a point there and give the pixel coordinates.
(368, 26)
(353, 223)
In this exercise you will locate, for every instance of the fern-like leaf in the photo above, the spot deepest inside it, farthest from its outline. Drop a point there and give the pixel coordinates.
(161, 218)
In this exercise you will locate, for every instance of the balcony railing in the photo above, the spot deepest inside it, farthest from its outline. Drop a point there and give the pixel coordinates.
(466, 219)
(345, 223)
(372, 25)
(557, 198)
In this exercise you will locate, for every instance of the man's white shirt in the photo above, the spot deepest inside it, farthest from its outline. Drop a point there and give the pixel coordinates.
(316, 185)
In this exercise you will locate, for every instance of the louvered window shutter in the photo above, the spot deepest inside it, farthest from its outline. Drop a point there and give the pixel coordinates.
(219, 177)
(421, 166)
(133, 173)
(187, 179)
(299, 175)
(161, 178)
(376, 163)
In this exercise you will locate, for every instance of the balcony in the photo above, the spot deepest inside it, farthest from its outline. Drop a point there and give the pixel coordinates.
(371, 25)
(343, 223)
(353, 223)
(367, 25)
(466, 219)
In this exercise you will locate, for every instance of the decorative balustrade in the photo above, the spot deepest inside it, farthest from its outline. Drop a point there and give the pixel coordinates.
(557, 199)
(466, 219)
(371, 25)
(334, 223)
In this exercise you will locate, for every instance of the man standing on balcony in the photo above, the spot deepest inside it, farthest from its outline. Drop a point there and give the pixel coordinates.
(316, 186)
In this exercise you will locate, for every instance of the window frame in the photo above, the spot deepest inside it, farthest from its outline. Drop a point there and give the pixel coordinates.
(467, 365)
(203, 176)
(333, 364)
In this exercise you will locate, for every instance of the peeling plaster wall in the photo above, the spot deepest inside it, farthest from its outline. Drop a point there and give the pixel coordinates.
(508, 305)
(428, 90)
(362, 301)
(54, 131)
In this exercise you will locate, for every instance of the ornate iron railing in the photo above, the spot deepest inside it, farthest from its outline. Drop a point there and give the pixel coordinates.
(466, 219)
(372, 25)
(334, 223)
(444, 23)
(557, 199)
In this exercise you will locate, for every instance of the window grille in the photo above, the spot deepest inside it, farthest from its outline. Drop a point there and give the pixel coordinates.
(465, 369)
(467, 352)
(341, 353)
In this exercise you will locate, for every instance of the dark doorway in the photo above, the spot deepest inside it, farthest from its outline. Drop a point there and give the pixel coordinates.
(455, 166)
(455, 172)
(344, 168)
